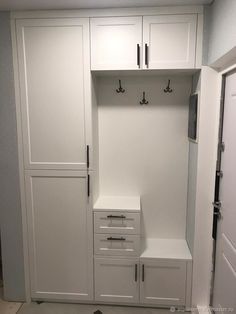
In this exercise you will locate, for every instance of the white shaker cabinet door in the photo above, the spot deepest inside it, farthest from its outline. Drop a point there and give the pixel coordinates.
(116, 43)
(53, 67)
(169, 41)
(162, 282)
(59, 234)
(116, 280)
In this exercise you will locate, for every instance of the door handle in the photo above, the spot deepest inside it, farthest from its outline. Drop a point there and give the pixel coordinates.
(136, 273)
(146, 55)
(143, 273)
(138, 55)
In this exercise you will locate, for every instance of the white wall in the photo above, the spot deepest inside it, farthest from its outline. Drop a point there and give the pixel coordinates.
(221, 24)
(10, 209)
(143, 150)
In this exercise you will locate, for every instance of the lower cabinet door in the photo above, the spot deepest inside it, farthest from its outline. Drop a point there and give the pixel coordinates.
(116, 280)
(162, 282)
(59, 234)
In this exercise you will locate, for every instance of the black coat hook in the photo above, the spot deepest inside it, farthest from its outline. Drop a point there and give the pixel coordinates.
(168, 89)
(143, 101)
(120, 89)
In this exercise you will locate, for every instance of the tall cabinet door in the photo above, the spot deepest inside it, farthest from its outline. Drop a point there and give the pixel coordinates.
(169, 41)
(116, 43)
(60, 235)
(53, 69)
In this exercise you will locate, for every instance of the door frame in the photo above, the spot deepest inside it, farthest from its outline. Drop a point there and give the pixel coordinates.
(224, 75)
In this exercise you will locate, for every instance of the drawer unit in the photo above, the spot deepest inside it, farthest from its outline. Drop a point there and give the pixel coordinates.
(116, 245)
(116, 222)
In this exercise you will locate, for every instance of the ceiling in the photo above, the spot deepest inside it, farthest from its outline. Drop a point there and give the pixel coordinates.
(87, 4)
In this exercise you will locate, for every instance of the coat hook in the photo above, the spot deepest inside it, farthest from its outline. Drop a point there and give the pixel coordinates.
(168, 89)
(120, 89)
(143, 101)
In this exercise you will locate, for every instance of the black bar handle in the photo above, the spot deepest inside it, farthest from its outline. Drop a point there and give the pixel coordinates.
(116, 239)
(146, 55)
(143, 272)
(136, 273)
(87, 154)
(116, 216)
(138, 55)
(88, 185)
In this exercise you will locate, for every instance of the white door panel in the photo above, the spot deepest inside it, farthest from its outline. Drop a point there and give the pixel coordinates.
(51, 56)
(60, 234)
(114, 43)
(171, 41)
(225, 273)
(116, 280)
(163, 282)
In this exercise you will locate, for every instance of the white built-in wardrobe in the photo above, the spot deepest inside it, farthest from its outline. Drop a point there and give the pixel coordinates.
(104, 178)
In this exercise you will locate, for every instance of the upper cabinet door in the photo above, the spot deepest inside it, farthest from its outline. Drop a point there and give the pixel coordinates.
(53, 62)
(116, 43)
(169, 41)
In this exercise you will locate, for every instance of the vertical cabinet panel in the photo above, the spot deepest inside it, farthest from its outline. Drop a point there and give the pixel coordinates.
(51, 56)
(60, 235)
(116, 280)
(170, 41)
(114, 43)
(162, 282)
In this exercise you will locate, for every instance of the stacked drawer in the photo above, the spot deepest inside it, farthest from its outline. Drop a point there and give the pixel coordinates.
(117, 249)
(116, 233)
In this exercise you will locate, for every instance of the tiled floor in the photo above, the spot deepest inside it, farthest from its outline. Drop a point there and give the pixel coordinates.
(60, 308)
(8, 307)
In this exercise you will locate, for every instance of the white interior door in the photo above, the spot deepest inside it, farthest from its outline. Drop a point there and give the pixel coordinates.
(59, 234)
(225, 274)
(52, 56)
(169, 41)
(114, 43)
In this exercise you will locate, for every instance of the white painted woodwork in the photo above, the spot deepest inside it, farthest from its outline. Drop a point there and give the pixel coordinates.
(108, 12)
(115, 280)
(143, 150)
(53, 65)
(225, 271)
(171, 41)
(82, 4)
(118, 203)
(129, 245)
(59, 234)
(173, 249)
(114, 42)
(164, 282)
(125, 223)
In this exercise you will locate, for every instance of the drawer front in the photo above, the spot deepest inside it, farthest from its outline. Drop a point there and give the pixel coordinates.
(117, 245)
(117, 222)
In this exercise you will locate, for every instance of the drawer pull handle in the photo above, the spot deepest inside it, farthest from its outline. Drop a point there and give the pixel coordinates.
(116, 217)
(116, 239)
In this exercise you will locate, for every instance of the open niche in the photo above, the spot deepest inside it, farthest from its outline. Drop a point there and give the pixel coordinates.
(143, 186)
